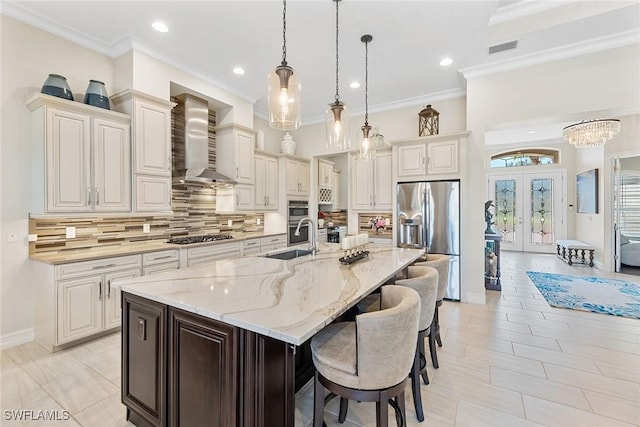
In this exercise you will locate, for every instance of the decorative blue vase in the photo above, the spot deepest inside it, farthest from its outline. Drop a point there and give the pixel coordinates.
(97, 95)
(56, 85)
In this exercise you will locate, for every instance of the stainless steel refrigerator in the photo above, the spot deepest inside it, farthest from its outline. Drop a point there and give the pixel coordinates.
(429, 217)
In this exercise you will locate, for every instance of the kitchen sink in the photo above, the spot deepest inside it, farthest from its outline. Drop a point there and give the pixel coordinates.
(295, 253)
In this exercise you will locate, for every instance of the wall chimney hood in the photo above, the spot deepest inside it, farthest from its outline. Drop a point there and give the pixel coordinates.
(191, 145)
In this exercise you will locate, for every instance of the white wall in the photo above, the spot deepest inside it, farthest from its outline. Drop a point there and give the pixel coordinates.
(28, 56)
(567, 89)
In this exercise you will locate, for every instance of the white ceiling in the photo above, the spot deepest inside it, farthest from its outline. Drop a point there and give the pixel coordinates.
(210, 38)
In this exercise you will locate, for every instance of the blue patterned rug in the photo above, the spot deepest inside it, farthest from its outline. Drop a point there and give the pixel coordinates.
(597, 294)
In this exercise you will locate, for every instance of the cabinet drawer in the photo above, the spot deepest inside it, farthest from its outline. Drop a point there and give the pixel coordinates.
(78, 269)
(252, 243)
(215, 249)
(160, 268)
(160, 257)
(274, 240)
(252, 251)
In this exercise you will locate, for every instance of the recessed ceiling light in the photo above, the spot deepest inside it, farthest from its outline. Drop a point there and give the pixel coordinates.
(446, 61)
(239, 71)
(531, 132)
(160, 27)
(354, 85)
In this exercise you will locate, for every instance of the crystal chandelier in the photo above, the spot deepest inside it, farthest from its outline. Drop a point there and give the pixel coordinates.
(337, 117)
(284, 89)
(591, 133)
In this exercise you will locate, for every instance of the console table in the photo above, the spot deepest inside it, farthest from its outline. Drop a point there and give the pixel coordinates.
(567, 250)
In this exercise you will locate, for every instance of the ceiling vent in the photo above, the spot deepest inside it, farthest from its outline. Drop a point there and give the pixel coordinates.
(503, 46)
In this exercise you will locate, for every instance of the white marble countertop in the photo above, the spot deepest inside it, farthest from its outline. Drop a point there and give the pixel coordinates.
(287, 300)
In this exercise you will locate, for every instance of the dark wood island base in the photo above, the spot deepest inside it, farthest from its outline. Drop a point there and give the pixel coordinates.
(182, 369)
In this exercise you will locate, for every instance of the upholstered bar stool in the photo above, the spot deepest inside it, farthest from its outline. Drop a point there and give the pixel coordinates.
(423, 280)
(369, 360)
(440, 263)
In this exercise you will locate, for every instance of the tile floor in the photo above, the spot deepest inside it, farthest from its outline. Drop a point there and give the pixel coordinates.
(515, 361)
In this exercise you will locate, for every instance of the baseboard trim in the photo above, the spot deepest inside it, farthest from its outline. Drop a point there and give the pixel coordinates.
(13, 339)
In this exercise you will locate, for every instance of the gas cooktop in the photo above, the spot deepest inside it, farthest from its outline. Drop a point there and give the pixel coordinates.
(199, 239)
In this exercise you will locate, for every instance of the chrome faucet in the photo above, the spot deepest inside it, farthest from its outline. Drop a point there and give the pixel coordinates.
(314, 231)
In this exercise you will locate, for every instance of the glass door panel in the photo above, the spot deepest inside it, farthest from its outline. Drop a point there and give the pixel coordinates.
(506, 193)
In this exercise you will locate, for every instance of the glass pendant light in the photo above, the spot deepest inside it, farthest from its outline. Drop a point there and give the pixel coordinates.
(284, 89)
(365, 145)
(337, 116)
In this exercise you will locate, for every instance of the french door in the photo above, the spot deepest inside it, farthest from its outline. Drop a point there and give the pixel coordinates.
(529, 210)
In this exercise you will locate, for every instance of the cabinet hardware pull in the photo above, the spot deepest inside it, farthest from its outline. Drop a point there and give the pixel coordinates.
(88, 196)
(109, 289)
(169, 162)
(237, 172)
(422, 162)
(163, 257)
(96, 267)
(97, 196)
(100, 291)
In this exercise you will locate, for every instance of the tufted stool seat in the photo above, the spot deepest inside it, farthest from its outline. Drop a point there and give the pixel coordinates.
(369, 360)
(440, 263)
(423, 280)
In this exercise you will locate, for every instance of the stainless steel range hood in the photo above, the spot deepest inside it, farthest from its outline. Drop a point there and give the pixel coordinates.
(191, 145)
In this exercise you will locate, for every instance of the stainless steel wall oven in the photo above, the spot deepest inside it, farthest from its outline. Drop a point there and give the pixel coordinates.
(297, 210)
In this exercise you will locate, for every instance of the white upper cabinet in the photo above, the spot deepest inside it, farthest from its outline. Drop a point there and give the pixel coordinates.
(425, 157)
(297, 176)
(325, 173)
(81, 157)
(151, 123)
(372, 184)
(266, 169)
(235, 147)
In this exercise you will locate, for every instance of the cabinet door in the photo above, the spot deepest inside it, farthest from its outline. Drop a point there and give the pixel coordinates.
(261, 197)
(68, 154)
(144, 363)
(153, 194)
(303, 178)
(411, 160)
(111, 297)
(245, 197)
(111, 166)
(204, 371)
(152, 140)
(335, 194)
(293, 183)
(361, 185)
(79, 307)
(383, 197)
(443, 157)
(245, 144)
(271, 183)
(325, 174)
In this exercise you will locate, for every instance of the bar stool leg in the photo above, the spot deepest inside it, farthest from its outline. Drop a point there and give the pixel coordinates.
(415, 384)
(318, 402)
(344, 407)
(382, 410)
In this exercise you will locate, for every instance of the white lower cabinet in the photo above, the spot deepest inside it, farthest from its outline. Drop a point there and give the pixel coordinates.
(203, 255)
(261, 245)
(322, 235)
(161, 261)
(85, 303)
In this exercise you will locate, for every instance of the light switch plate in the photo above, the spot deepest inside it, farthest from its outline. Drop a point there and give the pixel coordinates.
(32, 237)
(258, 220)
(229, 223)
(70, 232)
(146, 228)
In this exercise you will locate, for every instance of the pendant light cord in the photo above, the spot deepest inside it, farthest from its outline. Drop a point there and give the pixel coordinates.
(284, 32)
(366, 83)
(337, 57)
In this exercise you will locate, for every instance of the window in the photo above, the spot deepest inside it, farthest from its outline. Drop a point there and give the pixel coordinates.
(530, 157)
(630, 203)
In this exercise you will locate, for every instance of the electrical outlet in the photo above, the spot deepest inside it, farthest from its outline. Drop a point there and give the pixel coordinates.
(258, 220)
(70, 232)
(32, 237)
(229, 223)
(12, 236)
(146, 228)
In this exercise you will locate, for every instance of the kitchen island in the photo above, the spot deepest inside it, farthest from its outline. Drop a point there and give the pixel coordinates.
(219, 345)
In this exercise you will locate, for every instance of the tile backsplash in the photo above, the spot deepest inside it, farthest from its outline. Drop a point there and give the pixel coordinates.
(376, 224)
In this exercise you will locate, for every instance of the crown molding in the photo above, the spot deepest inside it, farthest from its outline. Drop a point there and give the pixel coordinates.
(395, 105)
(524, 8)
(555, 54)
(115, 49)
